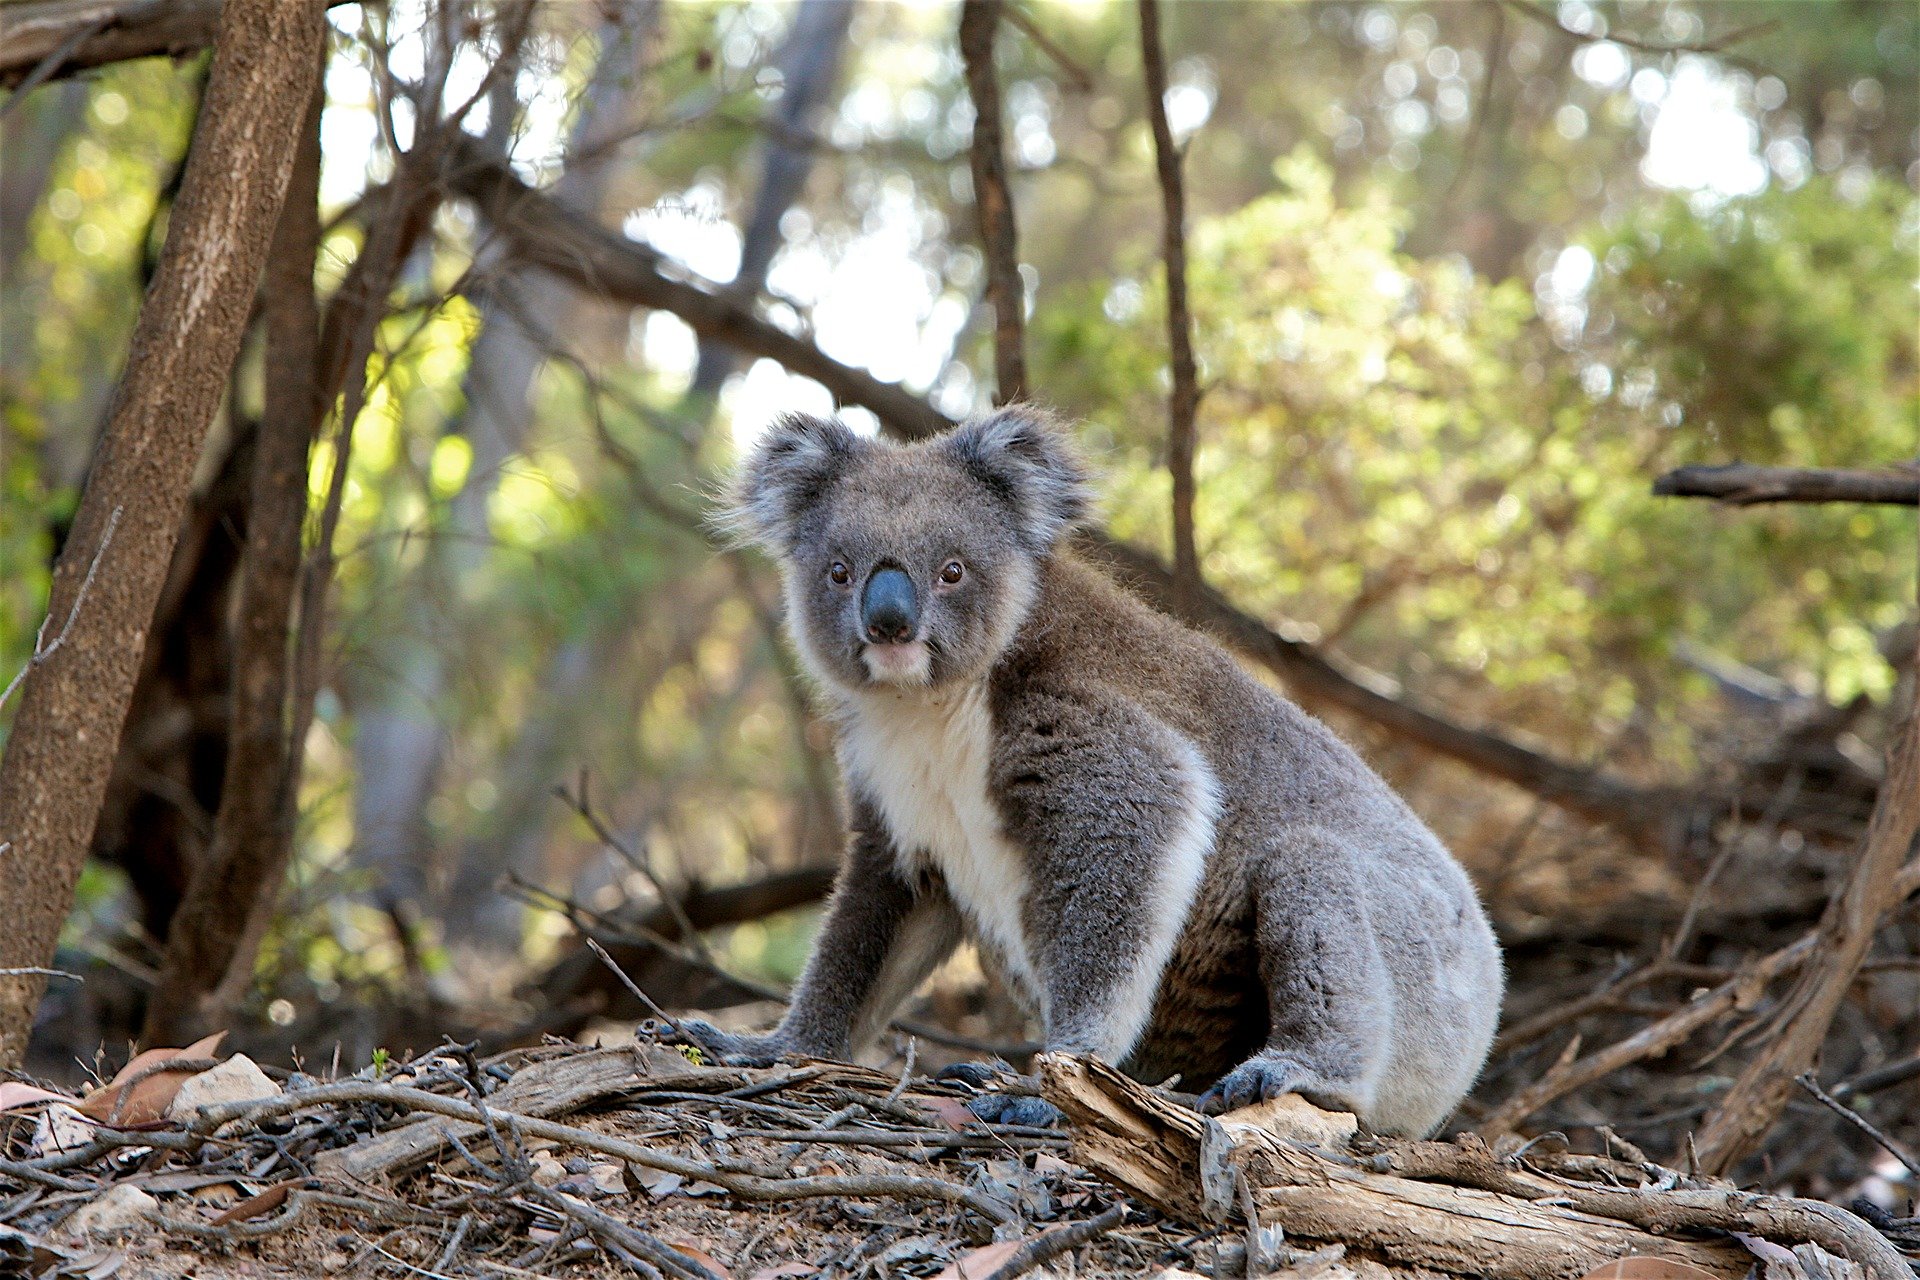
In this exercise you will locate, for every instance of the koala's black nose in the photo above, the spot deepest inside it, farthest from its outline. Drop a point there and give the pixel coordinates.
(889, 609)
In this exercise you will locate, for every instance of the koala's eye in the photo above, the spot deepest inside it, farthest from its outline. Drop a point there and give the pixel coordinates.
(952, 571)
(839, 573)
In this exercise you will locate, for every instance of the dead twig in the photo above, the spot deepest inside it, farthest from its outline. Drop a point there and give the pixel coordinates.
(1049, 1245)
(613, 1231)
(638, 860)
(748, 1186)
(1861, 900)
(594, 945)
(1858, 1121)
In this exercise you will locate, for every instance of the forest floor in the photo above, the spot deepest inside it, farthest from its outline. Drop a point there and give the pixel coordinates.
(638, 1160)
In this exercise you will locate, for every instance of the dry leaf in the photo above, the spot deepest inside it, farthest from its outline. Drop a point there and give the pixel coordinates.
(952, 1112)
(979, 1263)
(702, 1257)
(133, 1097)
(14, 1095)
(1644, 1268)
(254, 1206)
(785, 1271)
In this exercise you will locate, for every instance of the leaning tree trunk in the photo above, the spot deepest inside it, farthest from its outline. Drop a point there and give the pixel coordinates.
(265, 65)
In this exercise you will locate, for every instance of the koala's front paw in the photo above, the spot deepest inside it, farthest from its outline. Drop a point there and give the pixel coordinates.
(977, 1075)
(728, 1050)
(1015, 1108)
(1255, 1080)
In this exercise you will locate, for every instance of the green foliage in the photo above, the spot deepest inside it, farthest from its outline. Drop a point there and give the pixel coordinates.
(1399, 455)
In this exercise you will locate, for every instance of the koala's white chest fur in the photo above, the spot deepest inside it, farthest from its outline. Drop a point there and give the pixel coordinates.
(922, 759)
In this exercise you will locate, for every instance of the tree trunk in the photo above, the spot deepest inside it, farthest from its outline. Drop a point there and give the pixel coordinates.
(254, 824)
(61, 749)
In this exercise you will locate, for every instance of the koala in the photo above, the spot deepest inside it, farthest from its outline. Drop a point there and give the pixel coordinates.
(1181, 871)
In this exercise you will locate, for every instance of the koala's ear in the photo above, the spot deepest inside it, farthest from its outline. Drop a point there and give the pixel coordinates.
(788, 471)
(1023, 454)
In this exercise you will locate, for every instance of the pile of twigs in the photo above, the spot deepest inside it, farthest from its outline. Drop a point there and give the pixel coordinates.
(637, 1160)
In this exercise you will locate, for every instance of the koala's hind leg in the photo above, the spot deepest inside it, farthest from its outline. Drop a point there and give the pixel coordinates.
(1329, 995)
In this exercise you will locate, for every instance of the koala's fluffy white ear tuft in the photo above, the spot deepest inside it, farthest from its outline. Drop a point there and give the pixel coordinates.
(789, 469)
(1024, 455)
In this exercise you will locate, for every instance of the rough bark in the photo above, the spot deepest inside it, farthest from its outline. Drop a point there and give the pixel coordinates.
(993, 201)
(253, 827)
(61, 749)
(1735, 1128)
(1743, 484)
(1449, 1207)
(1183, 402)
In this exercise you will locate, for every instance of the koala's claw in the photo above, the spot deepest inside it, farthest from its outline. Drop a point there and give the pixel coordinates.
(726, 1049)
(975, 1074)
(1255, 1080)
(1015, 1108)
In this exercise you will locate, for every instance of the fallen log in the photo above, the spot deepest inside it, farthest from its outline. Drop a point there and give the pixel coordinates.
(1450, 1207)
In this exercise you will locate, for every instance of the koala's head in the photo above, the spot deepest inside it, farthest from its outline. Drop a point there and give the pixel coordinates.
(908, 565)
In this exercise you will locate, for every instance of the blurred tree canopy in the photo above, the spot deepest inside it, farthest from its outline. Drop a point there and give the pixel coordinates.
(1465, 277)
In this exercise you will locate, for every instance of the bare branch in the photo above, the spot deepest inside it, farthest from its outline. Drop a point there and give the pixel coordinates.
(1861, 900)
(1183, 404)
(1543, 14)
(1743, 484)
(1079, 79)
(993, 202)
(57, 38)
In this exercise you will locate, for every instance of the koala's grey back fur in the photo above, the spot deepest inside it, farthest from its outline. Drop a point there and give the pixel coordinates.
(1183, 871)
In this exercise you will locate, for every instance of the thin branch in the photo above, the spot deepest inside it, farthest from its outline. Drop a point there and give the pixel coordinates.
(1858, 1121)
(1079, 79)
(638, 860)
(1861, 901)
(1743, 484)
(1543, 14)
(993, 202)
(593, 944)
(1741, 991)
(1049, 1245)
(40, 654)
(1183, 403)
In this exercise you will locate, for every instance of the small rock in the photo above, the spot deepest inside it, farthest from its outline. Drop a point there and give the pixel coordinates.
(547, 1171)
(235, 1080)
(122, 1208)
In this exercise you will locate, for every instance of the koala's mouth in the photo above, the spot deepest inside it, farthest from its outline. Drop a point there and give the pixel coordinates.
(909, 662)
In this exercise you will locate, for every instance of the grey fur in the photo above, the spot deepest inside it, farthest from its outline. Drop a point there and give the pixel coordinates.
(1183, 871)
